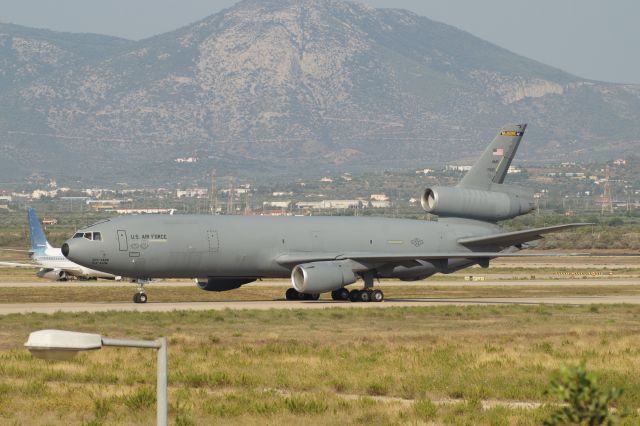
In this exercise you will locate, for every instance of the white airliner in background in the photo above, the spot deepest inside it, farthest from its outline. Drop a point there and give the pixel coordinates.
(50, 261)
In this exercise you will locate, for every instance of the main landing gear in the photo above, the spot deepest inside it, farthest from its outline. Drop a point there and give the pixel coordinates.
(342, 294)
(140, 296)
(367, 294)
(293, 294)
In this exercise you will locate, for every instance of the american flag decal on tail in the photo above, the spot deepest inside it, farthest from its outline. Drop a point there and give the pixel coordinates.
(498, 151)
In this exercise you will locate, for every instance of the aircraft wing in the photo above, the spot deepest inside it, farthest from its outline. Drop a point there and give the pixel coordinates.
(20, 265)
(507, 239)
(70, 271)
(303, 257)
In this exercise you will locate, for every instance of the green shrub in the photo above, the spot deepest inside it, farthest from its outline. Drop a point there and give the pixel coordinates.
(587, 403)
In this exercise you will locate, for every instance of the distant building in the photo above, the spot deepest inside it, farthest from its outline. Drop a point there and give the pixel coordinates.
(379, 197)
(39, 193)
(276, 213)
(424, 171)
(456, 168)
(49, 221)
(144, 211)
(380, 204)
(326, 179)
(278, 204)
(186, 160)
(102, 202)
(192, 193)
(328, 204)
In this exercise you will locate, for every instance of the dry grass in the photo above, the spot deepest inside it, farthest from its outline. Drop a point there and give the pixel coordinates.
(320, 366)
(124, 293)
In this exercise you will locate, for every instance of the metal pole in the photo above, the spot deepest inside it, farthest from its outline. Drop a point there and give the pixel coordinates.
(161, 396)
(161, 385)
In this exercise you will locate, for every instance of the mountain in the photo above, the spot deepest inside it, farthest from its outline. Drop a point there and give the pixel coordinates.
(294, 85)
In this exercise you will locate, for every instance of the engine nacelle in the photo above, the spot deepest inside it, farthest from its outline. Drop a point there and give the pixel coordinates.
(53, 274)
(321, 277)
(222, 284)
(476, 203)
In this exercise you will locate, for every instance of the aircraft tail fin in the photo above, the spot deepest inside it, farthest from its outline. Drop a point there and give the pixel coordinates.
(491, 168)
(38, 239)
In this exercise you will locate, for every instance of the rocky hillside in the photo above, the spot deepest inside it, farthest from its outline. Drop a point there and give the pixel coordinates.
(297, 85)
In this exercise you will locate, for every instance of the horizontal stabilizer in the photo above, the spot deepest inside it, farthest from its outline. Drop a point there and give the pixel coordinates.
(507, 239)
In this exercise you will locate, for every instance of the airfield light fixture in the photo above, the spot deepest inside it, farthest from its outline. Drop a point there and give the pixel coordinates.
(63, 345)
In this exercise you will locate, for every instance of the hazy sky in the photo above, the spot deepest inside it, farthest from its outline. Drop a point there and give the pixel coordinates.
(594, 39)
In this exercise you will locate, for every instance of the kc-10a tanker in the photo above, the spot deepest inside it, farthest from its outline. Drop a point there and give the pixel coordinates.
(323, 254)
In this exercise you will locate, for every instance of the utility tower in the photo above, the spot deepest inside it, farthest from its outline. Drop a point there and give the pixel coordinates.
(230, 197)
(607, 198)
(213, 194)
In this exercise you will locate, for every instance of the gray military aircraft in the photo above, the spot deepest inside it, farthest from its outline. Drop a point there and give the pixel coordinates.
(323, 254)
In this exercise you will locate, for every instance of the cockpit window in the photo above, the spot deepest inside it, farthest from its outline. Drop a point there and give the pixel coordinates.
(94, 236)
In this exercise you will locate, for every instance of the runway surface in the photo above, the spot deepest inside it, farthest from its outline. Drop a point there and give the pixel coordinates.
(49, 308)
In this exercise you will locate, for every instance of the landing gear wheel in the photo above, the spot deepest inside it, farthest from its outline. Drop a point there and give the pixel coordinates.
(308, 296)
(364, 296)
(354, 295)
(292, 294)
(340, 294)
(377, 296)
(140, 298)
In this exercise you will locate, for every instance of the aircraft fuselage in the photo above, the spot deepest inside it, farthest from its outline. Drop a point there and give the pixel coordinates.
(194, 246)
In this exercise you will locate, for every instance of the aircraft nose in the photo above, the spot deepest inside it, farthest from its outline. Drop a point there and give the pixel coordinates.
(65, 250)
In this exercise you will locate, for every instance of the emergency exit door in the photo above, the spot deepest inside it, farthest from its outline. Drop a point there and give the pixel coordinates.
(122, 240)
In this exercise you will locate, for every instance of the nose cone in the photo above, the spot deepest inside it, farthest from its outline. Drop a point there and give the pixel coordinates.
(65, 250)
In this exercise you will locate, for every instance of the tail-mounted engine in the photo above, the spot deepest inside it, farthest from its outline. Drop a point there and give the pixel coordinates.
(504, 203)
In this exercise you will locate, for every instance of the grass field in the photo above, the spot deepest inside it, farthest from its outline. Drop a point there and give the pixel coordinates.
(459, 365)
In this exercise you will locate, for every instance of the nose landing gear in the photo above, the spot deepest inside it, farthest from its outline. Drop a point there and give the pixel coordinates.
(140, 296)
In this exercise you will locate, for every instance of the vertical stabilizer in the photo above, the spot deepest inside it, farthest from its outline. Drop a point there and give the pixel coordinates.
(492, 166)
(38, 239)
